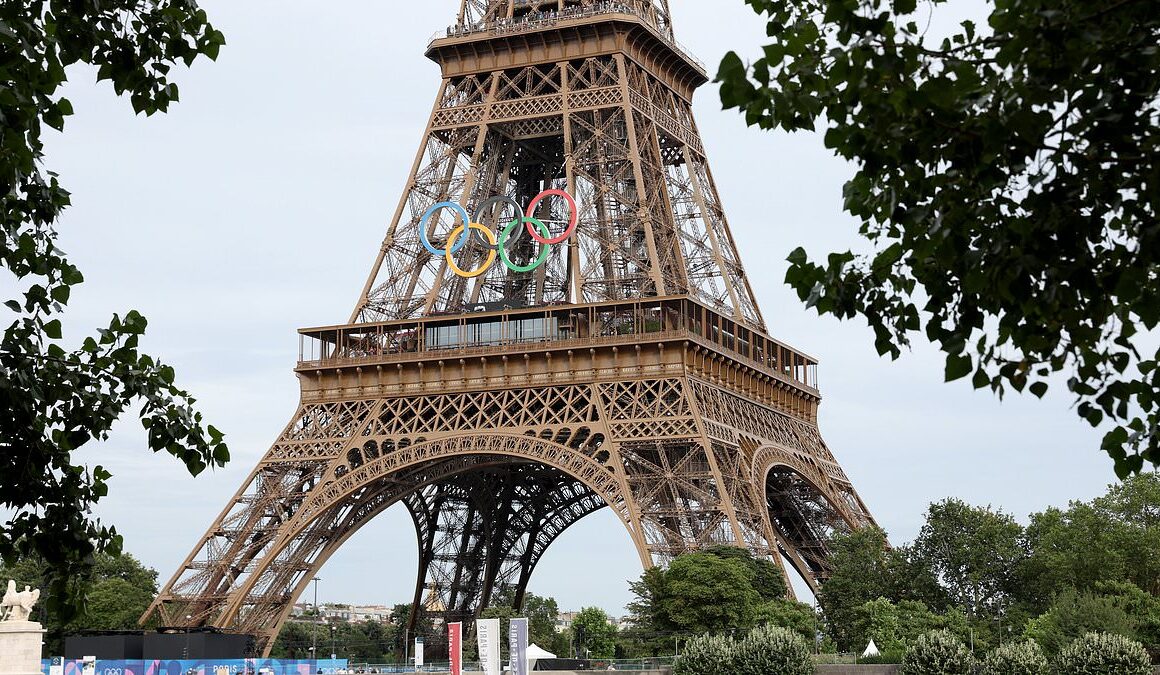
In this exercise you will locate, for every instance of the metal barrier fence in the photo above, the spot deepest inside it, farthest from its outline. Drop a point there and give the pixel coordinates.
(621, 665)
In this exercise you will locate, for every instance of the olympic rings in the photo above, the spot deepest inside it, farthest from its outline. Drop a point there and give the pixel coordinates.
(499, 246)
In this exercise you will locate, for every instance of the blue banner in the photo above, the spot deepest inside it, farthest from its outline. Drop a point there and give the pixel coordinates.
(518, 646)
(200, 667)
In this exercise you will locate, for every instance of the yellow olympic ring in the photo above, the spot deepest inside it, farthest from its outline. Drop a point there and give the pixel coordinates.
(492, 252)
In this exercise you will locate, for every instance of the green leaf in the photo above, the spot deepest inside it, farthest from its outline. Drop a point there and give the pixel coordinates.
(61, 294)
(958, 367)
(52, 329)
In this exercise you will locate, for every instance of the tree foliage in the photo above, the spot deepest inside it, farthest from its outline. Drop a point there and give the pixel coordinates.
(723, 589)
(895, 627)
(765, 649)
(771, 649)
(978, 573)
(593, 634)
(705, 654)
(55, 400)
(703, 592)
(720, 589)
(1008, 185)
(865, 569)
(974, 552)
(1075, 614)
(938, 653)
(1016, 658)
(794, 616)
(541, 613)
(768, 580)
(1113, 538)
(1103, 654)
(365, 641)
(119, 592)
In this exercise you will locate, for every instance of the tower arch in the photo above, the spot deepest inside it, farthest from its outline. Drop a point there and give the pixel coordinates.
(804, 507)
(434, 478)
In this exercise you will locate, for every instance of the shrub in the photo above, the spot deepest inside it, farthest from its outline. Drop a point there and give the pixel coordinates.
(1103, 654)
(937, 653)
(706, 654)
(1017, 658)
(1074, 614)
(765, 650)
(771, 649)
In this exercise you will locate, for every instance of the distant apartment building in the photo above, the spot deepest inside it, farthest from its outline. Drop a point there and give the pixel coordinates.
(564, 621)
(342, 613)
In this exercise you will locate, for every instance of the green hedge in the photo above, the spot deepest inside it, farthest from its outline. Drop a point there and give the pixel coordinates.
(764, 651)
(1103, 654)
(938, 653)
(1017, 658)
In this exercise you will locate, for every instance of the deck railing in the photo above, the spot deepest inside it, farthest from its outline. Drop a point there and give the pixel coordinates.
(538, 21)
(552, 327)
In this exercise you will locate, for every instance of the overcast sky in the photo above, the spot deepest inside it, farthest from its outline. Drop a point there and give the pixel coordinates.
(256, 207)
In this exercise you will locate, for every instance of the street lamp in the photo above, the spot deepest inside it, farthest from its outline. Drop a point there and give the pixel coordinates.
(188, 619)
(314, 628)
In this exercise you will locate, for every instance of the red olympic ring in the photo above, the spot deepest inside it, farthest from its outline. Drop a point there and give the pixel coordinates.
(572, 223)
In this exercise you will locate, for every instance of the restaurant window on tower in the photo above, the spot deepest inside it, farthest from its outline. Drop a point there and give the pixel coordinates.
(443, 337)
(533, 330)
(488, 334)
(493, 333)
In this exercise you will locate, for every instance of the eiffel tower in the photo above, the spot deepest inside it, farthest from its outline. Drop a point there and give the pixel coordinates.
(502, 388)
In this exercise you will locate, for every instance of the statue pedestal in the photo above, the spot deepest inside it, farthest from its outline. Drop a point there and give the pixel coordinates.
(20, 647)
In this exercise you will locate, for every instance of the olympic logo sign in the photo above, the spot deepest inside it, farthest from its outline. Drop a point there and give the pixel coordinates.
(498, 244)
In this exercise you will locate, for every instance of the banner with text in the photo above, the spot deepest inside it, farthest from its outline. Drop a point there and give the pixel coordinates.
(419, 652)
(518, 646)
(196, 667)
(487, 631)
(455, 647)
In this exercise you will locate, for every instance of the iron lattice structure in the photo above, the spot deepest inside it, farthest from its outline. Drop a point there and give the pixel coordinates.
(632, 371)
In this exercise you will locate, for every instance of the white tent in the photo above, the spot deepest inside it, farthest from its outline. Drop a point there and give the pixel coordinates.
(535, 653)
(871, 650)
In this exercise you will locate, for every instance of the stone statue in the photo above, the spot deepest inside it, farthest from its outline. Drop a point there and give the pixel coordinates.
(18, 606)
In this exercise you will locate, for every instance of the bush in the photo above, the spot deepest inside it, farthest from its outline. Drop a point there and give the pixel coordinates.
(1074, 614)
(771, 649)
(937, 653)
(1103, 654)
(706, 654)
(1017, 658)
(765, 650)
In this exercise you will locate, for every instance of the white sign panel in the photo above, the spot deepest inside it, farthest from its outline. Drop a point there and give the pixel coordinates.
(488, 634)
